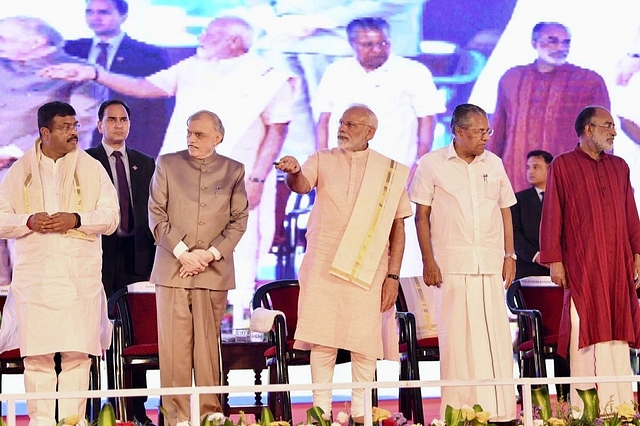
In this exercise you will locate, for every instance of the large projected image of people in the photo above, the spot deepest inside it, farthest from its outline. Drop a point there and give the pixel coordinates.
(536, 102)
(279, 75)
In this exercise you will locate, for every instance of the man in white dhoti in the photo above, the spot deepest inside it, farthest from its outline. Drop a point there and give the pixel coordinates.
(55, 201)
(355, 243)
(465, 232)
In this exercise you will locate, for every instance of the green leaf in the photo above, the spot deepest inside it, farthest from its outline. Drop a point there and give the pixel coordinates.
(453, 416)
(477, 408)
(540, 398)
(316, 413)
(107, 415)
(266, 417)
(228, 422)
(591, 404)
(206, 422)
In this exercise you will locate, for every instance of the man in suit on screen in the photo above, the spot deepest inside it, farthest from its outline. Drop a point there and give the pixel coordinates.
(116, 51)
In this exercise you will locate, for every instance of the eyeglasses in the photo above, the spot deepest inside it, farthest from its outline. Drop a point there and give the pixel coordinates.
(609, 126)
(66, 128)
(370, 45)
(351, 125)
(555, 41)
(480, 132)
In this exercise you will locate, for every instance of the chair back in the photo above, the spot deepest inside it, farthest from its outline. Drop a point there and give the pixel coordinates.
(547, 298)
(280, 295)
(549, 301)
(136, 309)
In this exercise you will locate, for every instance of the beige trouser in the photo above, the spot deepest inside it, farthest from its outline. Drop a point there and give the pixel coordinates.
(602, 359)
(40, 376)
(188, 333)
(323, 362)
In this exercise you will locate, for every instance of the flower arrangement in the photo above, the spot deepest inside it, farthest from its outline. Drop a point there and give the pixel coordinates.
(568, 415)
(465, 416)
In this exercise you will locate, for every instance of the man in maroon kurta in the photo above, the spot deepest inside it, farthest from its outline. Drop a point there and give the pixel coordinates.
(538, 102)
(590, 236)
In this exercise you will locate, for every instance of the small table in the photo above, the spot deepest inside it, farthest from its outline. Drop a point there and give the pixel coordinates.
(244, 356)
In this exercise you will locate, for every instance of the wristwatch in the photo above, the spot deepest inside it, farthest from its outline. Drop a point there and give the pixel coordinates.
(393, 277)
(511, 255)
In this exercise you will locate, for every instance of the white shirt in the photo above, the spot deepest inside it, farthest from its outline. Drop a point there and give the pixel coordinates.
(231, 88)
(398, 92)
(467, 232)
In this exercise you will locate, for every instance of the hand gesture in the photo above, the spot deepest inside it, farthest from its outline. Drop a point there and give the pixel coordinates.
(288, 164)
(69, 72)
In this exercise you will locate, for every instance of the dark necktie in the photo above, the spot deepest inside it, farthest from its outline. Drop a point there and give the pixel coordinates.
(126, 218)
(542, 196)
(102, 55)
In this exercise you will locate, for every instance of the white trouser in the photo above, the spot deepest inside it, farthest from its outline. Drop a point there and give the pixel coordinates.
(40, 376)
(601, 359)
(323, 362)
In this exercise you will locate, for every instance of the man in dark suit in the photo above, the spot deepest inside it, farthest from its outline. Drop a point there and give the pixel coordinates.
(198, 211)
(526, 217)
(114, 50)
(127, 255)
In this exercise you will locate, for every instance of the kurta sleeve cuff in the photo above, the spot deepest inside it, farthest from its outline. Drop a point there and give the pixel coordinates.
(180, 248)
(550, 256)
(216, 254)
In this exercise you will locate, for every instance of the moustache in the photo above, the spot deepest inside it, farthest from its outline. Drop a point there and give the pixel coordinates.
(74, 138)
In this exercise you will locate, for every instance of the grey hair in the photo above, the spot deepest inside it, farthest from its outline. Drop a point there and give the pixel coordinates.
(215, 120)
(460, 116)
(373, 118)
(540, 26)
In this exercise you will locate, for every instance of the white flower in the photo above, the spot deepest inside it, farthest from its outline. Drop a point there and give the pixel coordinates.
(538, 422)
(343, 417)
(438, 422)
(335, 424)
(216, 416)
(326, 416)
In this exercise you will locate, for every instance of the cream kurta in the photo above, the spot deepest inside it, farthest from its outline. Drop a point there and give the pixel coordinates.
(350, 316)
(56, 294)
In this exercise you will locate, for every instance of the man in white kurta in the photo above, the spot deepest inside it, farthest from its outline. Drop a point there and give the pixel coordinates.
(55, 201)
(400, 91)
(465, 231)
(351, 306)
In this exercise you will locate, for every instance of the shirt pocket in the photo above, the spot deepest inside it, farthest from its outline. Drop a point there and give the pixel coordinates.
(491, 188)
